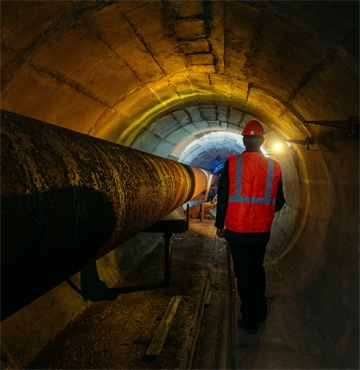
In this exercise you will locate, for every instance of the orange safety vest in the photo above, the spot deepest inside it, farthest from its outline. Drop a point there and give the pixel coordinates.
(252, 192)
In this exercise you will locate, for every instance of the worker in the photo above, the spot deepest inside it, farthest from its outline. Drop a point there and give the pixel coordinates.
(250, 192)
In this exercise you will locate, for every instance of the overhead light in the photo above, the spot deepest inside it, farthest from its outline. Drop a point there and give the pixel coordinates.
(278, 147)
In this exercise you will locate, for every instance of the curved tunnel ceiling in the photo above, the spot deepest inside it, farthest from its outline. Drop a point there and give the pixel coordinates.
(190, 70)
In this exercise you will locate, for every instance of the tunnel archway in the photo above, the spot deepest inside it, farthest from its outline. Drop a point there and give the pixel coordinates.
(202, 67)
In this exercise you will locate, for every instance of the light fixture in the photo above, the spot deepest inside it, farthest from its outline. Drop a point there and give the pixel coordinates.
(278, 147)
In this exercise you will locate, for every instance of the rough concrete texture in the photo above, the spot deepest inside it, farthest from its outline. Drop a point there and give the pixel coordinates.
(196, 69)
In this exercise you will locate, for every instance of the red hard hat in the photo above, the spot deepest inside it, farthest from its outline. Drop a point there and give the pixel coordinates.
(253, 128)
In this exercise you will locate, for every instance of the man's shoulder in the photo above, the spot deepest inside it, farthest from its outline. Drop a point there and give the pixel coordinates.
(274, 161)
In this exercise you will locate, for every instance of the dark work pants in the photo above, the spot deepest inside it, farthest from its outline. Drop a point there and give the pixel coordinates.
(248, 262)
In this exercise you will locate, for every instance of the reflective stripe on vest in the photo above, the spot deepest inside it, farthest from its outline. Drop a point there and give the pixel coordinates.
(238, 185)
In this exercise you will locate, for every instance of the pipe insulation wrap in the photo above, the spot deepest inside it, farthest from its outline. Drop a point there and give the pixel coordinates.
(68, 198)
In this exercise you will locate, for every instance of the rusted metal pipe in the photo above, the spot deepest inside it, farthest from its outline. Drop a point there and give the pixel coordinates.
(69, 198)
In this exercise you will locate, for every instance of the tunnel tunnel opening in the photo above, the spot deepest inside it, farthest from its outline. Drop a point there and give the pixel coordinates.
(205, 136)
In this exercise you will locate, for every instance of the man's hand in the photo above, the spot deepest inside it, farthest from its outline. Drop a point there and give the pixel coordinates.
(220, 233)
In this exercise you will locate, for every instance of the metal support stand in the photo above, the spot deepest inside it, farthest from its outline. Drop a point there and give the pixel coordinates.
(168, 227)
(205, 196)
(168, 247)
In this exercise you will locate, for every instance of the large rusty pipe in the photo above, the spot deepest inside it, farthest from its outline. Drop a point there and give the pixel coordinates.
(69, 198)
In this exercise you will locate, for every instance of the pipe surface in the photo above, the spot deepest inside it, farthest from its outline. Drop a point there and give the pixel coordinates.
(69, 198)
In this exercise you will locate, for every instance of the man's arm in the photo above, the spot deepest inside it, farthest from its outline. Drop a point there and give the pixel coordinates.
(222, 198)
(280, 199)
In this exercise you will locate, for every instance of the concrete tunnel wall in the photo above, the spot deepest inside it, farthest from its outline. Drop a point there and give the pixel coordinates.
(197, 68)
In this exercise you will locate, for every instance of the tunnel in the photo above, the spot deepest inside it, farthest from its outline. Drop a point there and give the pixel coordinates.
(176, 81)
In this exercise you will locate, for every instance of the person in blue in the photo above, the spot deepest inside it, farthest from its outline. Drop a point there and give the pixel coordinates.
(250, 192)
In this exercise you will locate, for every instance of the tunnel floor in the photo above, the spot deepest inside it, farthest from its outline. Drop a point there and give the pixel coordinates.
(202, 334)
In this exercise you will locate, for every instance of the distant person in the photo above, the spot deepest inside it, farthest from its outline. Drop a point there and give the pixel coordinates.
(250, 192)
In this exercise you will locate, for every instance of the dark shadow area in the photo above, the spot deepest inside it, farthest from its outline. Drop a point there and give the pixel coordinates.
(94, 289)
(47, 237)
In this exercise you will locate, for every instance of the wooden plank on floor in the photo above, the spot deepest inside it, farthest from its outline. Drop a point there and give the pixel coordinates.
(159, 337)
